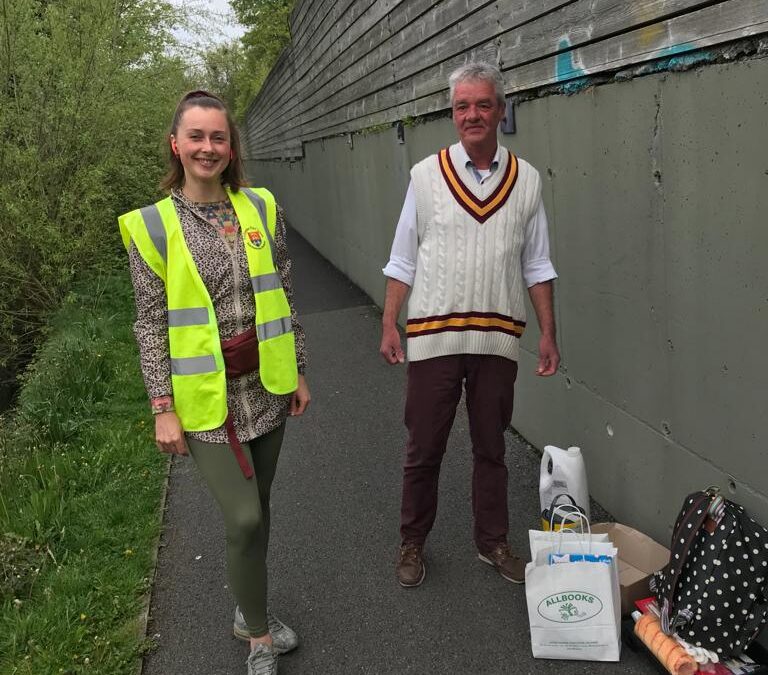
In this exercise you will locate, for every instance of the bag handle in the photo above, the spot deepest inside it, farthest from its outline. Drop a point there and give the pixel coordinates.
(582, 519)
(562, 494)
(554, 506)
(682, 540)
(567, 512)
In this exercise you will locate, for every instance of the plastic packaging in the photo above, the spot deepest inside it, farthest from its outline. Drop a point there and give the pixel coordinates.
(665, 648)
(562, 473)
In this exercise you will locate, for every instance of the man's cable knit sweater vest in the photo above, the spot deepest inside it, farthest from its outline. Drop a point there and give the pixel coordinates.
(467, 297)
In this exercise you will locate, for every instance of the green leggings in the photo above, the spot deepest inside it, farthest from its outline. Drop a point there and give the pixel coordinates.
(244, 505)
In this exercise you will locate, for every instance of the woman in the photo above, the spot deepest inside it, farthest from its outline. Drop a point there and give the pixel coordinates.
(222, 353)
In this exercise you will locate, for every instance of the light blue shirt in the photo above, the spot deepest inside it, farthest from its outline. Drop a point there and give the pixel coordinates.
(481, 175)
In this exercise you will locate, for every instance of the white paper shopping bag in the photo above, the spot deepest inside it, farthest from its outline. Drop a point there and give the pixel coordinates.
(541, 539)
(574, 608)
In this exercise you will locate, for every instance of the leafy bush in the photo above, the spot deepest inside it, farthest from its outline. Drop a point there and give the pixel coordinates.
(238, 70)
(87, 91)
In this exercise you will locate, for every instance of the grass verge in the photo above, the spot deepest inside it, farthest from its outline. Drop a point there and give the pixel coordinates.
(80, 485)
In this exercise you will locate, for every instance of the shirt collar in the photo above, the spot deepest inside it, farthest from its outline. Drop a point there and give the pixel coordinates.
(463, 157)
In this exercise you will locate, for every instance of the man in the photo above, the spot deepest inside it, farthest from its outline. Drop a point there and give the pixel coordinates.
(472, 234)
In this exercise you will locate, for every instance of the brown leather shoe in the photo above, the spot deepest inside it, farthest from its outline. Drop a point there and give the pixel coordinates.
(509, 566)
(410, 568)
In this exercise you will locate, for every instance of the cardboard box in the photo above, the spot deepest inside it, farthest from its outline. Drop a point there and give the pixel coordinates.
(639, 557)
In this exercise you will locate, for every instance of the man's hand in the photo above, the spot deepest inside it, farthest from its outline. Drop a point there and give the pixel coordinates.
(300, 398)
(549, 356)
(542, 299)
(169, 435)
(391, 348)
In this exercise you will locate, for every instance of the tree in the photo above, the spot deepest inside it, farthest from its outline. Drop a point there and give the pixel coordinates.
(86, 90)
(268, 33)
(223, 70)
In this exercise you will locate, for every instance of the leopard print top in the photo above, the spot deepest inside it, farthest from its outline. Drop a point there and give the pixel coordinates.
(224, 269)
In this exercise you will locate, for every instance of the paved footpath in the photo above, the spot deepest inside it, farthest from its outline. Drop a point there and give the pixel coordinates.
(334, 536)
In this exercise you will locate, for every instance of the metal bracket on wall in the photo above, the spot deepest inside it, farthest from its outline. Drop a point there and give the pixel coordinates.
(508, 123)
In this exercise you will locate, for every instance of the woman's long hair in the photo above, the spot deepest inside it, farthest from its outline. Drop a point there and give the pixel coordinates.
(234, 175)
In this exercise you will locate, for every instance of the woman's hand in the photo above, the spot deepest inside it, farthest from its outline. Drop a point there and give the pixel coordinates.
(169, 435)
(300, 398)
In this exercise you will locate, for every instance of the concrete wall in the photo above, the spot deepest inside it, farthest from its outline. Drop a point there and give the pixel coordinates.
(657, 194)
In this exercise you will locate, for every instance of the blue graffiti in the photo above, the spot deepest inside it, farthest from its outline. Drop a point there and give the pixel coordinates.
(676, 49)
(678, 57)
(565, 68)
(573, 79)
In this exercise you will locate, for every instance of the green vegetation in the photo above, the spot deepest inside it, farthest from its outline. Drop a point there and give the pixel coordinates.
(80, 482)
(267, 35)
(237, 70)
(86, 91)
(87, 88)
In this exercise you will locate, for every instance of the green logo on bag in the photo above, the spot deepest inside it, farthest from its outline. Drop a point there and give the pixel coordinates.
(570, 607)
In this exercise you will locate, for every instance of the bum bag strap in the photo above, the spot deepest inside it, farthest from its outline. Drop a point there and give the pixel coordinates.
(245, 467)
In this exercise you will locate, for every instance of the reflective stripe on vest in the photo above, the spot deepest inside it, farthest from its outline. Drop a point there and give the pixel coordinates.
(266, 282)
(272, 329)
(197, 364)
(193, 365)
(191, 316)
(261, 207)
(155, 229)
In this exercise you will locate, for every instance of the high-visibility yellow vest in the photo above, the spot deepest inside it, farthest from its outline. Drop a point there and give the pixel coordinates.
(197, 364)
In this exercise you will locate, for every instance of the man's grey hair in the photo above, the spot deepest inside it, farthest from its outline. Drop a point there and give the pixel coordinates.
(474, 71)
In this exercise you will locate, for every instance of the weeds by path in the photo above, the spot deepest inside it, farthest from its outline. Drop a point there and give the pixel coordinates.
(80, 484)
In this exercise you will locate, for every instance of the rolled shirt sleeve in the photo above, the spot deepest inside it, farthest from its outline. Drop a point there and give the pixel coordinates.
(402, 257)
(537, 267)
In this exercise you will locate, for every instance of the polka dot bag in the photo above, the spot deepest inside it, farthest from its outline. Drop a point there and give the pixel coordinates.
(713, 593)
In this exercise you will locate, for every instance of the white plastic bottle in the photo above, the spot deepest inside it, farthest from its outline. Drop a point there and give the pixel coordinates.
(562, 473)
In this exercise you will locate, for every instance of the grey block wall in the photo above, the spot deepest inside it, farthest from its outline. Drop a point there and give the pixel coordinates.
(657, 195)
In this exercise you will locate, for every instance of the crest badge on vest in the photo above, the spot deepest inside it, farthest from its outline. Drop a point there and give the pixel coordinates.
(254, 238)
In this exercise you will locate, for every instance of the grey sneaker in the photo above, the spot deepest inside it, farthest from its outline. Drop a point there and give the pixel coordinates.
(262, 660)
(283, 638)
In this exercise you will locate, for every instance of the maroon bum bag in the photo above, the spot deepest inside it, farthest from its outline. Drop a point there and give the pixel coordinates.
(241, 353)
(241, 356)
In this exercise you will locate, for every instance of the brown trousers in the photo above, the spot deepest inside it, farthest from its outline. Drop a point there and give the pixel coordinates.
(434, 391)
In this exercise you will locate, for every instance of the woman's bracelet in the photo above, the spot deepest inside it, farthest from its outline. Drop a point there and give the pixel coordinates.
(162, 404)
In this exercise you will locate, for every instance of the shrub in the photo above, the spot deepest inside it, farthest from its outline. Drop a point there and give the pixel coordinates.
(87, 90)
